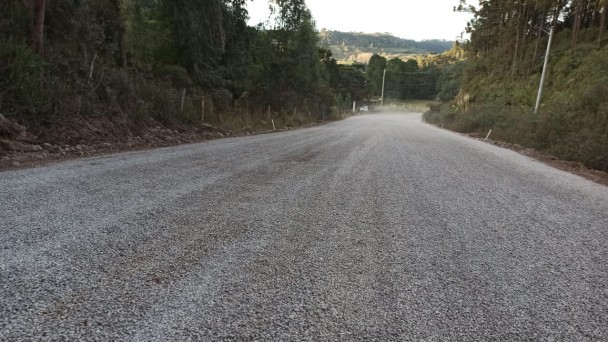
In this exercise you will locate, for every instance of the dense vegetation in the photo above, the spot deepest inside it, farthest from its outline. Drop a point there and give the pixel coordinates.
(425, 77)
(130, 62)
(125, 64)
(498, 82)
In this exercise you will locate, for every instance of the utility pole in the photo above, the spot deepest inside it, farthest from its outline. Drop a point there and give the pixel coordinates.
(542, 77)
(382, 96)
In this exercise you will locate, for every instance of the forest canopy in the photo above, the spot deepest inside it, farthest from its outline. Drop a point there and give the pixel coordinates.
(189, 61)
(198, 62)
(499, 81)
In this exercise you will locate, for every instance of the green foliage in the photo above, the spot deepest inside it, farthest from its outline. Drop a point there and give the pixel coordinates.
(196, 30)
(427, 77)
(287, 69)
(178, 61)
(148, 37)
(24, 79)
(161, 101)
(177, 75)
(14, 19)
(449, 81)
(375, 74)
(347, 81)
(574, 118)
(402, 79)
(499, 81)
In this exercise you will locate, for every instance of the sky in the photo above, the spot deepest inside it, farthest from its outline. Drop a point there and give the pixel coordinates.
(409, 19)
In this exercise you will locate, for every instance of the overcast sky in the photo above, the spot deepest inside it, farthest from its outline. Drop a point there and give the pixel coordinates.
(410, 19)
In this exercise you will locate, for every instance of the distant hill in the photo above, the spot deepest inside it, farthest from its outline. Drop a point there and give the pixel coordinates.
(357, 46)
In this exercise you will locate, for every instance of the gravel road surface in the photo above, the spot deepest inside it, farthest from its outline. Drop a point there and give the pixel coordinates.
(378, 227)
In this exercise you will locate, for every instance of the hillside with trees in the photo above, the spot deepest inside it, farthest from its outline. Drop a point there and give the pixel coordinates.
(359, 47)
(71, 69)
(498, 83)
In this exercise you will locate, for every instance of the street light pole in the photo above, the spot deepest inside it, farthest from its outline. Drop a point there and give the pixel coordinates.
(542, 77)
(382, 96)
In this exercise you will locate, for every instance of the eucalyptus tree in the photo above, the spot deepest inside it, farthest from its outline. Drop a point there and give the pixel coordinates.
(375, 73)
(287, 62)
(197, 36)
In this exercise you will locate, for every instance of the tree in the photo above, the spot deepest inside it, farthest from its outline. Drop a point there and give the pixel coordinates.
(287, 60)
(38, 11)
(197, 35)
(121, 32)
(604, 8)
(375, 72)
(347, 81)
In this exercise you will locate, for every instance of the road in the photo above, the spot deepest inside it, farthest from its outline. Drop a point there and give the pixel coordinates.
(378, 227)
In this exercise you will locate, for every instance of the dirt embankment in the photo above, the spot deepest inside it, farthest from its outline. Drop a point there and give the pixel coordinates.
(20, 148)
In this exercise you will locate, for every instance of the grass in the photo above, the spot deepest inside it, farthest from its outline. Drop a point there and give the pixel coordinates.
(411, 105)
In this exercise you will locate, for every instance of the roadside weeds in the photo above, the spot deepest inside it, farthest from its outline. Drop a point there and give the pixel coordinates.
(597, 176)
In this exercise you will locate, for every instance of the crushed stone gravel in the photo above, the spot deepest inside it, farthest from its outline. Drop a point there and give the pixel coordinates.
(378, 227)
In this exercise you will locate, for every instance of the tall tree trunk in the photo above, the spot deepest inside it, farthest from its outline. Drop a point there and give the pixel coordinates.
(121, 33)
(594, 12)
(525, 25)
(515, 54)
(522, 26)
(602, 23)
(576, 24)
(37, 35)
(122, 48)
(539, 35)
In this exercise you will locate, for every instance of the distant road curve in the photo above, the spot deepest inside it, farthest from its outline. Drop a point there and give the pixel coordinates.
(378, 227)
